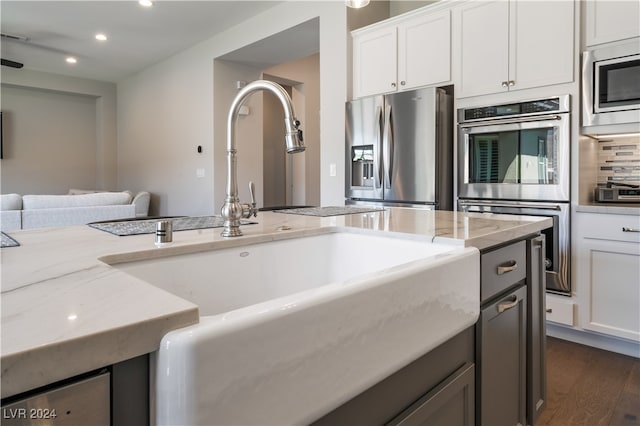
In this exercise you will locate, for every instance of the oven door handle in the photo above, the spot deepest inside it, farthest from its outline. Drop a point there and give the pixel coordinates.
(555, 207)
(512, 121)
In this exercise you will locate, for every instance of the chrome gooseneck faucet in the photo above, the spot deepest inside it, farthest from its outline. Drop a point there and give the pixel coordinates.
(233, 211)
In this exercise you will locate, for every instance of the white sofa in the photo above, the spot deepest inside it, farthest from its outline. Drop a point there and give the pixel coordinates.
(40, 211)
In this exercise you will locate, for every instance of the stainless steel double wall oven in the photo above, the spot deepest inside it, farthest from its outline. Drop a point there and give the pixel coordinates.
(514, 159)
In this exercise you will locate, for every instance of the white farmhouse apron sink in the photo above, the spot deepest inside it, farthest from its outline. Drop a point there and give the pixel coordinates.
(292, 328)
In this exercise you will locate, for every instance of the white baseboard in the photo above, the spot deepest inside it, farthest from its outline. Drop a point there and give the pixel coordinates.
(600, 341)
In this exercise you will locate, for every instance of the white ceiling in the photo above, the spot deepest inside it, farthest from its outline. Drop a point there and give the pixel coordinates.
(138, 37)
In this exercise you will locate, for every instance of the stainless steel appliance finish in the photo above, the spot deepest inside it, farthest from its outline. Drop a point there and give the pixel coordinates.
(85, 402)
(517, 151)
(618, 194)
(611, 85)
(399, 149)
(557, 238)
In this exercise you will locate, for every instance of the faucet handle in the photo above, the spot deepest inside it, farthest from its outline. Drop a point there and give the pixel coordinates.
(252, 194)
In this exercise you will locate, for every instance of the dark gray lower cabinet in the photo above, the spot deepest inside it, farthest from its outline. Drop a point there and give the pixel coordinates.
(502, 360)
(537, 333)
(501, 337)
(450, 403)
(436, 389)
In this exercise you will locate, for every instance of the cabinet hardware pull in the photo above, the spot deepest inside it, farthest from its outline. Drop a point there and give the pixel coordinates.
(393, 85)
(505, 306)
(549, 310)
(504, 84)
(512, 83)
(512, 265)
(403, 83)
(625, 229)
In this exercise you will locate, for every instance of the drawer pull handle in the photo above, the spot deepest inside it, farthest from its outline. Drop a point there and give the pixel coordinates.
(505, 306)
(549, 310)
(625, 229)
(512, 265)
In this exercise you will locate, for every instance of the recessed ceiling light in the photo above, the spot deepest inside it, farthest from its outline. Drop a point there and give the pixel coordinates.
(101, 37)
(146, 3)
(71, 60)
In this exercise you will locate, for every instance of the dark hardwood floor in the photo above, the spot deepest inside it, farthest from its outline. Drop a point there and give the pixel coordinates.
(589, 386)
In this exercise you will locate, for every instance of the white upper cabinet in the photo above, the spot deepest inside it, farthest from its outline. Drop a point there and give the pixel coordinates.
(611, 20)
(402, 54)
(374, 62)
(514, 45)
(424, 50)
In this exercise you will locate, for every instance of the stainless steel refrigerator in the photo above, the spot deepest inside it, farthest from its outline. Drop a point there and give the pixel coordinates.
(399, 149)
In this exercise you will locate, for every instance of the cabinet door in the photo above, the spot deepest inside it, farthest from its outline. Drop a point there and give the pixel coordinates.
(536, 329)
(542, 43)
(374, 62)
(450, 403)
(424, 50)
(608, 272)
(611, 20)
(502, 337)
(484, 50)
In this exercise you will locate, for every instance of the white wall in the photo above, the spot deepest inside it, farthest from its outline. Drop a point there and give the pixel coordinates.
(306, 71)
(166, 111)
(60, 132)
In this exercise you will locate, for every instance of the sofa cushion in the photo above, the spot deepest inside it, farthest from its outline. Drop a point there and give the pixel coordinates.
(83, 200)
(141, 201)
(10, 202)
(10, 220)
(74, 191)
(66, 216)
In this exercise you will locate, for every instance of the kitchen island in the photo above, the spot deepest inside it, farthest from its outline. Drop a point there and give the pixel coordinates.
(65, 312)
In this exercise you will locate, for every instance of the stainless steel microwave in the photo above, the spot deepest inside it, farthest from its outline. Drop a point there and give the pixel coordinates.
(611, 85)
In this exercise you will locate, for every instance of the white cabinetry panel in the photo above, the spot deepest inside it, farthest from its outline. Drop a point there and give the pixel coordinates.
(374, 62)
(541, 57)
(402, 54)
(615, 293)
(608, 274)
(424, 50)
(514, 45)
(484, 54)
(611, 20)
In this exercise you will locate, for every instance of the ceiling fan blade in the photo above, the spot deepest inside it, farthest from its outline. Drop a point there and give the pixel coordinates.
(12, 64)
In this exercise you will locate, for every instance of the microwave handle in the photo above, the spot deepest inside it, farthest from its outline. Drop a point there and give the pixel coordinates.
(512, 121)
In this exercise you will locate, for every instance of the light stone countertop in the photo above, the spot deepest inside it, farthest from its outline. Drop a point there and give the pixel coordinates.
(65, 312)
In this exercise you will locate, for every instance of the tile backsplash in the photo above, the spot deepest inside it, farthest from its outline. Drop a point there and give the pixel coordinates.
(619, 160)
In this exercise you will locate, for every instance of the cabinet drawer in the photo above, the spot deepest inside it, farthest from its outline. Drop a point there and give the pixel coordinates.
(86, 402)
(615, 227)
(502, 268)
(559, 310)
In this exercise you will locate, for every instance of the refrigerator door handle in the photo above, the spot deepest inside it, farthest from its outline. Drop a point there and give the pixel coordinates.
(388, 146)
(377, 181)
